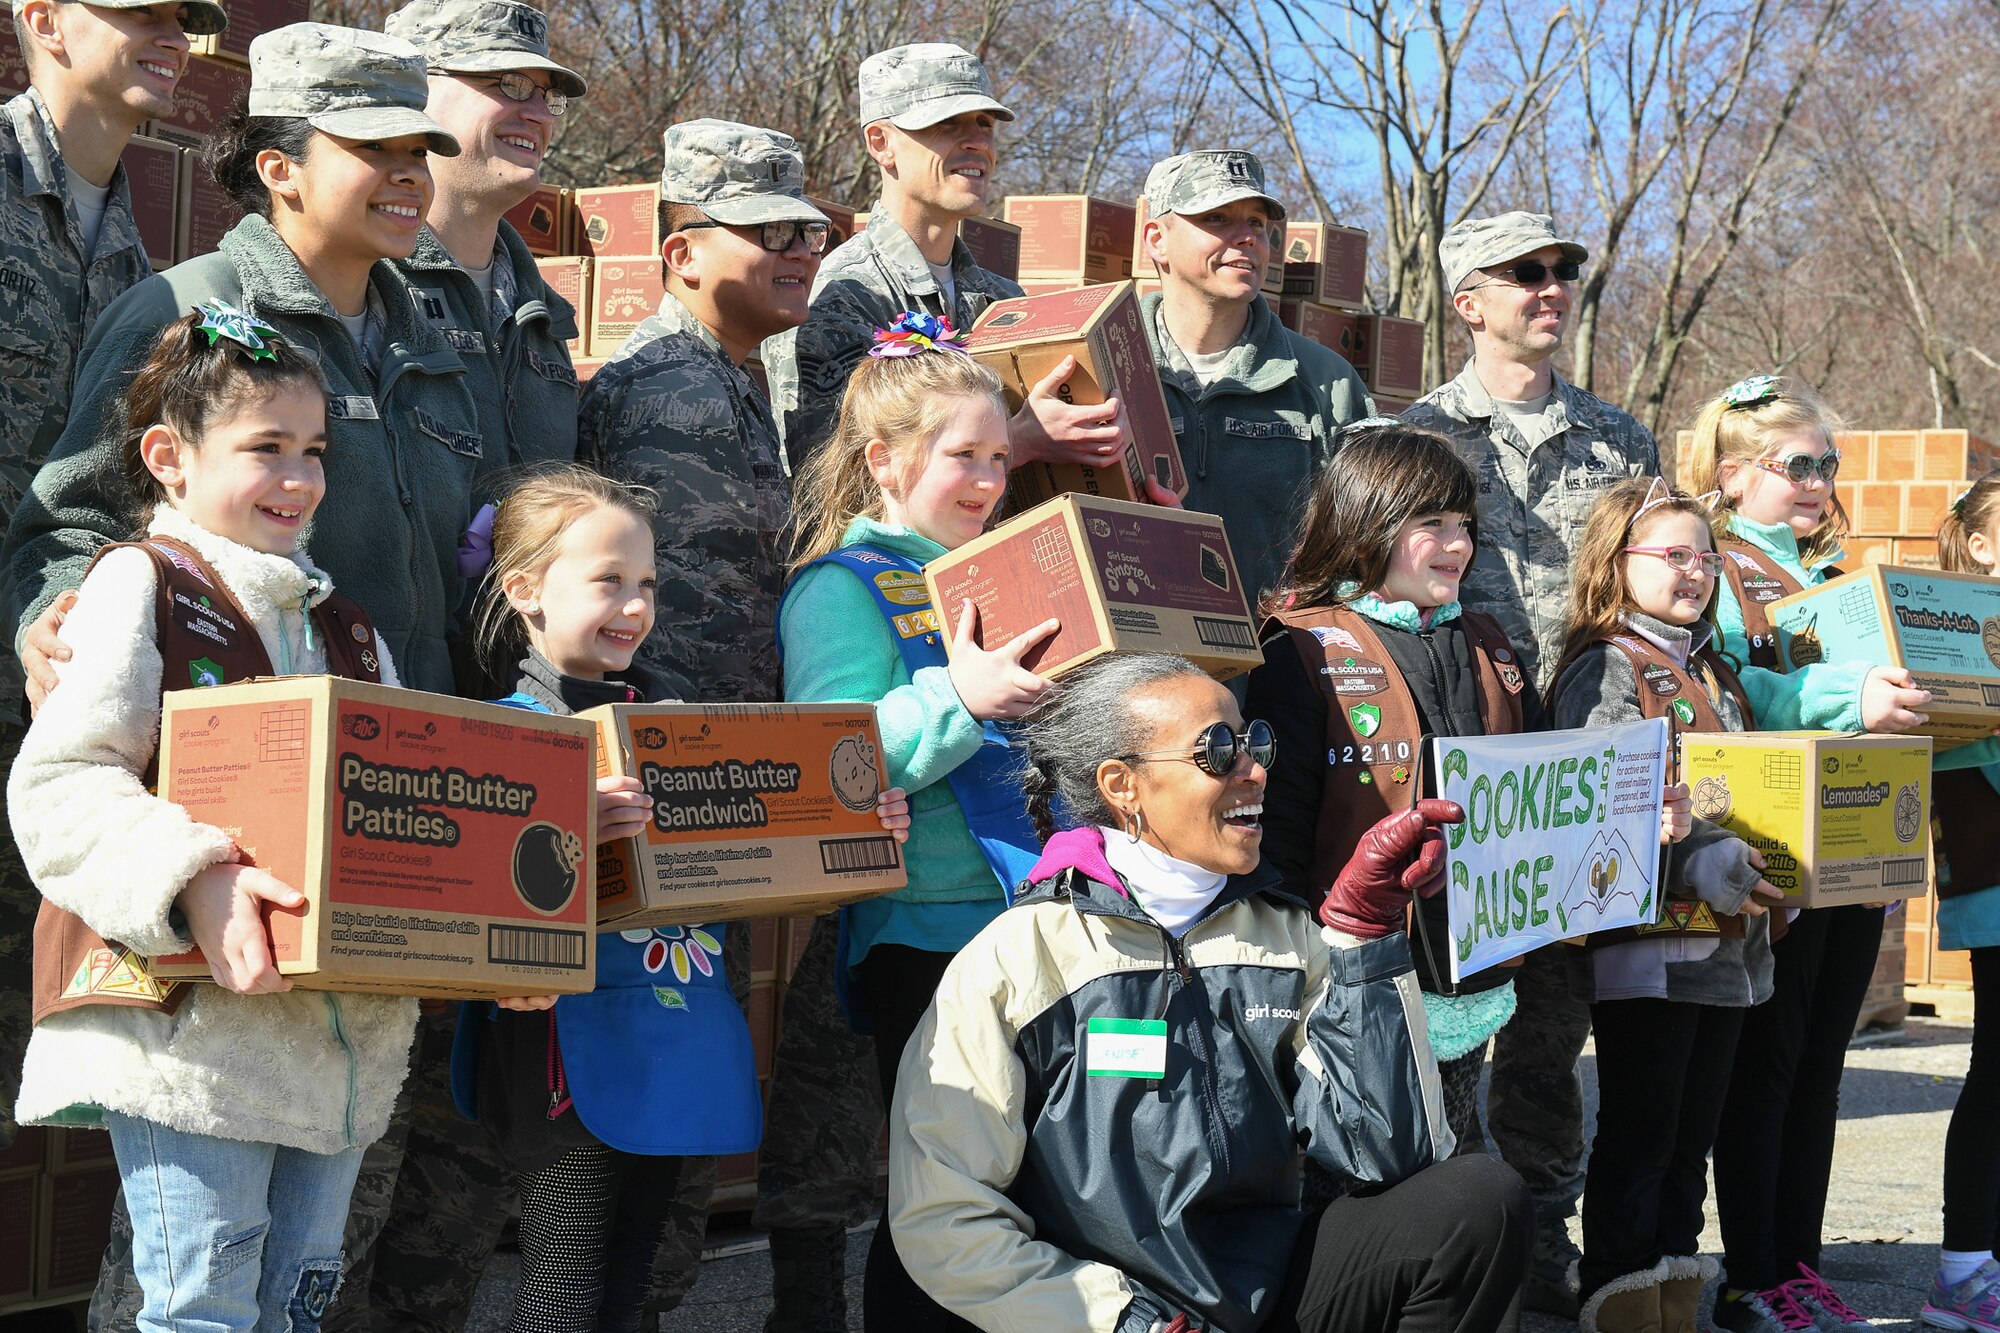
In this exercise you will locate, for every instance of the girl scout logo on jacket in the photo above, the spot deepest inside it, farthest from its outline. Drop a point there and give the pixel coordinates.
(546, 860)
(1367, 719)
(1356, 675)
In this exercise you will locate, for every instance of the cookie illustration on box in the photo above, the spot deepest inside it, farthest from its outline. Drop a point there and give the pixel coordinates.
(1909, 813)
(546, 859)
(856, 778)
(1711, 798)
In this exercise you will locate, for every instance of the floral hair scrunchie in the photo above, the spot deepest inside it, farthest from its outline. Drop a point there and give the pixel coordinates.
(913, 332)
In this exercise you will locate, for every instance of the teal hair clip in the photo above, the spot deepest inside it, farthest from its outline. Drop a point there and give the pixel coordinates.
(1751, 390)
(221, 320)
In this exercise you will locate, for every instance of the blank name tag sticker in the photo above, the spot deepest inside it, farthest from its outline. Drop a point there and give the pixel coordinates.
(1126, 1048)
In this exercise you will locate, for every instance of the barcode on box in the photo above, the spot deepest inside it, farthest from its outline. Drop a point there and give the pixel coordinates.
(1215, 633)
(534, 946)
(1902, 871)
(1990, 695)
(841, 854)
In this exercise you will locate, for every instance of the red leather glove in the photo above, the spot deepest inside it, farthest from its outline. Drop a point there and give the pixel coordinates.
(1402, 854)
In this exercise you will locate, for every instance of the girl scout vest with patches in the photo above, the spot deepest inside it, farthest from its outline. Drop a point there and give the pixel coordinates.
(986, 786)
(1686, 700)
(1757, 580)
(1373, 733)
(205, 639)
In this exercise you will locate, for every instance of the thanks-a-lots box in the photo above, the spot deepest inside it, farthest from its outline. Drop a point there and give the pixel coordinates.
(442, 845)
(1944, 628)
(1120, 577)
(1024, 339)
(1840, 819)
(758, 810)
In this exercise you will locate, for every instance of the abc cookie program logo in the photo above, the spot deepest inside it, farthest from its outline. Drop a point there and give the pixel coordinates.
(1711, 798)
(853, 772)
(1909, 812)
(546, 864)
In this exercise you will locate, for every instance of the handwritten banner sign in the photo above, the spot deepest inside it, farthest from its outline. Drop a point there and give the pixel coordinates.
(1561, 836)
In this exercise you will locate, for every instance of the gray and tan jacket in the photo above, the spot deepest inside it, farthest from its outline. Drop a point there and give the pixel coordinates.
(1026, 1193)
(1535, 495)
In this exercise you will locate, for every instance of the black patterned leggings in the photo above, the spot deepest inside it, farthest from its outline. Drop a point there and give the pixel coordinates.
(591, 1226)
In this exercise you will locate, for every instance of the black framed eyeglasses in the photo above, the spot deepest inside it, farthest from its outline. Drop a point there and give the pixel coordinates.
(777, 237)
(515, 87)
(1534, 273)
(1801, 468)
(1215, 753)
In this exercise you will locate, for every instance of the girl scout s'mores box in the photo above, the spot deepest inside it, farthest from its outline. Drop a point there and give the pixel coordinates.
(1840, 819)
(442, 845)
(1024, 339)
(1945, 628)
(758, 810)
(1120, 577)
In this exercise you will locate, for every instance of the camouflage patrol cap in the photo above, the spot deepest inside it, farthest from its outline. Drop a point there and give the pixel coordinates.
(1483, 242)
(356, 84)
(914, 87)
(1192, 182)
(738, 174)
(482, 37)
(204, 17)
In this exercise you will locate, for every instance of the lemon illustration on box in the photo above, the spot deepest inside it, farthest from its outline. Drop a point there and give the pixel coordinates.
(1838, 818)
(1944, 628)
(757, 810)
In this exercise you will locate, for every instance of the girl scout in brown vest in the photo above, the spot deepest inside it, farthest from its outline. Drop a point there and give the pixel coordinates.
(1666, 1001)
(1367, 653)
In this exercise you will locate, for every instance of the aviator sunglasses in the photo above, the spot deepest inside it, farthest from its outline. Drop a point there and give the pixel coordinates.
(1216, 752)
(776, 237)
(1534, 273)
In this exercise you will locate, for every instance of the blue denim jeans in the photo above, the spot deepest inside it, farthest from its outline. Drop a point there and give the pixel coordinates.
(228, 1236)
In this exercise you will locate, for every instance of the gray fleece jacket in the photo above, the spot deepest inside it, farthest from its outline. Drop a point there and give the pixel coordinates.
(1711, 863)
(304, 1069)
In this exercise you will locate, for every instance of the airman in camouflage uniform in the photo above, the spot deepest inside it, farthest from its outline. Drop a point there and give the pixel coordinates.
(431, 1197)
(53, 285)
(1256, 419)
(1543, 451)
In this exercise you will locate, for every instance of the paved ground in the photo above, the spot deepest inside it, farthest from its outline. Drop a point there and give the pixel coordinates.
(1882, 1215)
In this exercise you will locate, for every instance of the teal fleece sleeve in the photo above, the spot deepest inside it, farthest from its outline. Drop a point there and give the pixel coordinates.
(1823, 697)
(1979, 754)
(838, 647)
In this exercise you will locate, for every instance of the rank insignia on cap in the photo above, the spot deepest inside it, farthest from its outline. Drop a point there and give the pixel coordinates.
(1684, 711)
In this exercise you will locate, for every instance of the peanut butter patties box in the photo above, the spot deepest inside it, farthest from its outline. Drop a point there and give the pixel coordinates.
(1840, 819)
(1023, 339)
(1945, 628)
(442, 844)
(1120, 577)
(758, 810)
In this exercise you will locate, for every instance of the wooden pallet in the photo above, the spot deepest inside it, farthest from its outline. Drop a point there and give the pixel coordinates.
(1949, 1004)
(1883, 1013)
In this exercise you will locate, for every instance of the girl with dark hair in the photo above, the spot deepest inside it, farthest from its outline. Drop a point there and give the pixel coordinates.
(238, 1111)
(327, 158)
(1100, 1121)
(1367, 653)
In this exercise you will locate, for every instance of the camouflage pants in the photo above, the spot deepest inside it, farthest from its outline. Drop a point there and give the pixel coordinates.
(1534, 1106)
(18, 904)
(816, 1168)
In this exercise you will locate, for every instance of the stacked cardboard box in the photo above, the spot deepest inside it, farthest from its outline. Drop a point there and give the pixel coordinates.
(56, 1188)
(1075, 238)
(1897, 486)
(248, 20)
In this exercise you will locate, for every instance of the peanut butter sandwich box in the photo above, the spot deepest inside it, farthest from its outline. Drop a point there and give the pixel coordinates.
(1023, 339)
(1120, 577)
(443, 845)
(758, 810)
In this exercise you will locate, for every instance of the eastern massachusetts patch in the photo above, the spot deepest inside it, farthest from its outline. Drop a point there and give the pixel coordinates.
(1355, 675)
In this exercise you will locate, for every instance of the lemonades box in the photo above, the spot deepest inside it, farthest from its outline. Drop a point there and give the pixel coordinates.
(1840, 819)
(441, 844)
(758, 810)
(1120, 577)
(1023, 339)
(1945, 628)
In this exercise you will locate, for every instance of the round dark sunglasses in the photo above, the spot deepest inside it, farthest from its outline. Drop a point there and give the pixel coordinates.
(776, 237)
(1799, 468)
(1215, 754)
(1534, 273)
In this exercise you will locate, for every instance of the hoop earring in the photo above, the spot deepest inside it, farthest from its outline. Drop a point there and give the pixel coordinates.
(1134, 825)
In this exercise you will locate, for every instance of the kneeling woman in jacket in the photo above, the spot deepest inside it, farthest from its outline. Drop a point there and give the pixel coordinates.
(1100, 1123)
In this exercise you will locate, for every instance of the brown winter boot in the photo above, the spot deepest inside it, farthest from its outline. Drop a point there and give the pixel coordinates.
(1687, 1278)
(1628, 1304)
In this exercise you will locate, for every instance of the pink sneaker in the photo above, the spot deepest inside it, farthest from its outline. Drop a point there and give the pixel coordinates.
(1972, 1304)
